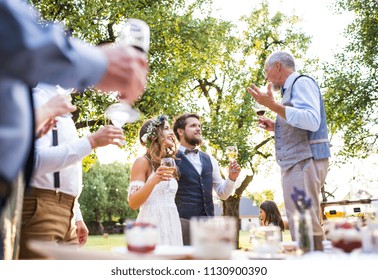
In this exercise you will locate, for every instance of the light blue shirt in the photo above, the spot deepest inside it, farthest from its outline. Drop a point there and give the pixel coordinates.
(30, 53)
(305, 113)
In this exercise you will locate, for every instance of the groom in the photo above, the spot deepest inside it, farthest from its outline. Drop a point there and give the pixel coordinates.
(199, 174)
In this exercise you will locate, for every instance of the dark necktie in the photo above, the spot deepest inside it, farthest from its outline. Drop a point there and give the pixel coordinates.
(188, 151)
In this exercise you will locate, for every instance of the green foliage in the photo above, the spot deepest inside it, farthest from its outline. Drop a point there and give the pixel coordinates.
(198, 63)
(104, 196)
(352, 81)
(261, 197)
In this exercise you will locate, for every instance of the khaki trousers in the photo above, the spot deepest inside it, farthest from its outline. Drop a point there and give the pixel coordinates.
(308, 175)
(47, 216)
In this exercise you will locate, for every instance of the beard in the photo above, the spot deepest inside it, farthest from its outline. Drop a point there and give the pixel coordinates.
(193, 141)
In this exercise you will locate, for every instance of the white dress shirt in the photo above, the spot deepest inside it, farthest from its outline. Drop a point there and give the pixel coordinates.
(223, 188)
(66, 158)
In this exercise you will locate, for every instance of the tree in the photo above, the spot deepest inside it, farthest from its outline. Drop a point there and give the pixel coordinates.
(352, 81)
(261, 197)
(197, 64)
(104, 195)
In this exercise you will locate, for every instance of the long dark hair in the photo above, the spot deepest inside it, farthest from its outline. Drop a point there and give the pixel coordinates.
(272, 214)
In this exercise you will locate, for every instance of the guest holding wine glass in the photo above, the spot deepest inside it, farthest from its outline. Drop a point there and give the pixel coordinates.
(51, 211)
(301, 134)
(153, 184)
(199, 174)
(31, 52)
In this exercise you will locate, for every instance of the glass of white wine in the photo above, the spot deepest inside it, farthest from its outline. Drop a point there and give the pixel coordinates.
(232, 152)
(170, 164)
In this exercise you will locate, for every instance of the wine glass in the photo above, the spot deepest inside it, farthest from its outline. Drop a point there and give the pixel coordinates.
(170, 164)
(65, 92)
(135, 33)
(121, 113)
(232, 154)
(260, 111)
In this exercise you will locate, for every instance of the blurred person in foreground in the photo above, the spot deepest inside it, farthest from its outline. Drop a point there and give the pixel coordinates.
(152, 187)
(30, 53)
(51, 211)
(199, 174)
(301, 134)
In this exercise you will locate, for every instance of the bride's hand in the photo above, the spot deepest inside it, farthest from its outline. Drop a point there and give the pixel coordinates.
(162, 174)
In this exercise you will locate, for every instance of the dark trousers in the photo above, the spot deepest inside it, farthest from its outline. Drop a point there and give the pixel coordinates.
(185, 229)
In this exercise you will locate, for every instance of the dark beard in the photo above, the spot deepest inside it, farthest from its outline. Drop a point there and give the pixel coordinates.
(193, 141)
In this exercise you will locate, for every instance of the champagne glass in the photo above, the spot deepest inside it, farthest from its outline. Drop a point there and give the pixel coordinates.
(121, 113)
(232, 152)
(170, 164)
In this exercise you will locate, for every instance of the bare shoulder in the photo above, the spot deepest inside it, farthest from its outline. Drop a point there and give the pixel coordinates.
(141, 162)
(141, 169)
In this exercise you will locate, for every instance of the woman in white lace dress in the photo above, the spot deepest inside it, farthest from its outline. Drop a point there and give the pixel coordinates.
(152, 188)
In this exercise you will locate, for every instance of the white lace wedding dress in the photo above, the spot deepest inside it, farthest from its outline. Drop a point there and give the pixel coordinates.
(161, 209)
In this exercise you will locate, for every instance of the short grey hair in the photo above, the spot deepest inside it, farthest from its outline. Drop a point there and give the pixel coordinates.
(285, 58)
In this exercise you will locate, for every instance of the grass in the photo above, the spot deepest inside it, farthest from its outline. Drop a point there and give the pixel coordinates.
(100, 243)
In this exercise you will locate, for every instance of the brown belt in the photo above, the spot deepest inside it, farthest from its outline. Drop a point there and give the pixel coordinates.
(37, 192)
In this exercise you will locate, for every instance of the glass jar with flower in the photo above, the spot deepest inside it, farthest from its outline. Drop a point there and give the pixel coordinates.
(302, 221)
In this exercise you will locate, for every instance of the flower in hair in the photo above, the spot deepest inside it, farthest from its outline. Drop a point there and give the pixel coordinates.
(151, 129)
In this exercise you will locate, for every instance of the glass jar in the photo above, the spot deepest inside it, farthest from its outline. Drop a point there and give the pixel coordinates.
(303, 231)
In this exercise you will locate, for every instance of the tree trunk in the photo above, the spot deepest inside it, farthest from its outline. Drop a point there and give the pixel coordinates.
(231, 205)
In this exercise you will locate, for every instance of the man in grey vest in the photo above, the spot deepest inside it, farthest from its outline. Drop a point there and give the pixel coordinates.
(199, 174)
(301, 134)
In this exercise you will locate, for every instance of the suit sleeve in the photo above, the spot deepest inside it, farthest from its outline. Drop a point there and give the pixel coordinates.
(34, 53)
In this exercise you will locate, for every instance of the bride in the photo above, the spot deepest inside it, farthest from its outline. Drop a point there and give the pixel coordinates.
(152, 188)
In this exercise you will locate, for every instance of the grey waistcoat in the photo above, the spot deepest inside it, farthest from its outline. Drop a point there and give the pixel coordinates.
(294, 144)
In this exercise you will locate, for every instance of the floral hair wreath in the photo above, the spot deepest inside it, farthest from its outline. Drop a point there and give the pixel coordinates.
(151, 129)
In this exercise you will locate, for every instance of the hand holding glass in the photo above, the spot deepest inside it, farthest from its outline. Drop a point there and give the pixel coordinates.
(119, 114)
(232, 152)
(260, 111)
(135, 33)
(170, 165)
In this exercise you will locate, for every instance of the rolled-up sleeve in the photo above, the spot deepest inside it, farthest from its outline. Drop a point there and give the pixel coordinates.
(223, 188)
(305, 112)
